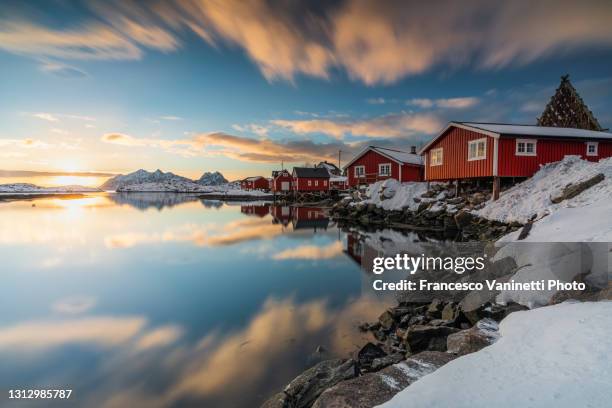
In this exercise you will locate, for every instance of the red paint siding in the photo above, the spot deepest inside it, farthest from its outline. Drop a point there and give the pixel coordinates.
(317, 184)
(455, 164)
(371, 160)
(547, 151)
(278, 181)
(259, 184)
(256, 210)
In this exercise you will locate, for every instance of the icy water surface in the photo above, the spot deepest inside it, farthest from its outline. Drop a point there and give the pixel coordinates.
(168, 300)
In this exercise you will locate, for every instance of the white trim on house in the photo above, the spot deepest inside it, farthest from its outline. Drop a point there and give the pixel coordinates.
(526, 142)
(495, 157)
(437, 161)
(595, 151)
(460, 126)
(357, 174)
(377, 149)
(380, 165)
(476, 142)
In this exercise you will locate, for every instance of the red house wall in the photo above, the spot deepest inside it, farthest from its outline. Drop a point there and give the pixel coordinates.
(301, 184)
(372, 159)
(455, 164)
(282, 178)
(261, 183)
(547, 151)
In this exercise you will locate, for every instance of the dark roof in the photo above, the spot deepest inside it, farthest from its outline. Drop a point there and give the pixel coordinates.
(310, 172)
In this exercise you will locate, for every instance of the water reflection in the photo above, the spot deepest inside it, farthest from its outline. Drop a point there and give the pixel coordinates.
(201, 304)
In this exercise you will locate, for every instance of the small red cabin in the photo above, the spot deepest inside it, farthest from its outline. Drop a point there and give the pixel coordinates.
(310, 179)
(309, 218)
(471, 150)
(379, 163)
(281, 181)
(281, 214)
(338, 182)
(255, 183)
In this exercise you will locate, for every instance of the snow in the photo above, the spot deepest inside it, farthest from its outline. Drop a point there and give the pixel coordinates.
(533, 196)
(552, 356)
(142, 180)
(191, 187)
(403, 197)
(338, 179)
(212, 179)
(539, 131)
(400, 156)
(26, 188)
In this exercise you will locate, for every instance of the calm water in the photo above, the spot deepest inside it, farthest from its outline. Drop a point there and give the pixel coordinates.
(167, 300)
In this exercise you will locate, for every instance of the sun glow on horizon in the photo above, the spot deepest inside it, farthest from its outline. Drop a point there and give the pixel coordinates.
(86, 181)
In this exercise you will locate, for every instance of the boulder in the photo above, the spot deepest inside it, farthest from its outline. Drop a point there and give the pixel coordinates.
(463, 219)
(279, 400)
(484, 333)
(306, 388)
(374, 389)
(449, 312)
(386, 320)
(382, 362)
(433, 338)
(434, 310)
(368, 354)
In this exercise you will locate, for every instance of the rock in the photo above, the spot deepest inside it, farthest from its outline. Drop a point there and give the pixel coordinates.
(484, 333)
(423, 206)
(435, 309)
(386, 320)
(433, 338)
(368, 354)
(525, 231)
(449, 312)
(572, 190)
(373, 389)
(306, 388)
(279, 400)
(382, 362)
(463, 219)
(420, 319)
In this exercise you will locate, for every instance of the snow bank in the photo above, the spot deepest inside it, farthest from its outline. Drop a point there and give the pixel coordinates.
(553, 356)
(404, 196)
(191, 187)
(533, 196)
(26, 188)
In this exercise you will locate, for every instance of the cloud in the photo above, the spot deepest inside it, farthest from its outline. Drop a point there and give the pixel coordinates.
(160, 337)
(252, 128)
(74, 305)
(24, 143)
(376, 101)
(373, 42)
(45, 116)
(310, 252)
(170, 117)
(392, 125)
(446, 103)
(62, 70)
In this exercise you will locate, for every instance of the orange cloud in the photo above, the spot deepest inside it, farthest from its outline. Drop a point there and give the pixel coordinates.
(311, 252)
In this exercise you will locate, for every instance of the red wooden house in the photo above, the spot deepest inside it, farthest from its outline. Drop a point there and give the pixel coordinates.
(379, 163)
(309, 218)
(281, 214)
(281, 181)
(338, 182)
(310, 179)
(465, 150)
(255, 183)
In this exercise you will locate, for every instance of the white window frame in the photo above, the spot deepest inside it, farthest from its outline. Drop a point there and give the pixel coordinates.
(380, 166)
(526, 142)
(324, 183)
(309, 183)
(357, 173)
(436, 161)
(594, 144)
(316, 183)
(476, 142)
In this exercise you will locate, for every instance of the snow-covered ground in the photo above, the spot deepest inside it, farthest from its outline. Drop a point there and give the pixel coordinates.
(26, 188)
(533, 196)
(557, 356)
(403, 198)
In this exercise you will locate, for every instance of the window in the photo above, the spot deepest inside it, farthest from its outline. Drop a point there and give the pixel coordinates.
(525, 147)
(359, 171)
(309, 183)
(477, 149)
(436, 157)
(591, 149)
(316, 183)
(324, 183)
(384, 169)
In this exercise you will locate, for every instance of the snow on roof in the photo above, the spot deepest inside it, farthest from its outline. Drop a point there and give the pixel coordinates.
(338, 178)
(253, 178)
(541, 131)
(397, 155)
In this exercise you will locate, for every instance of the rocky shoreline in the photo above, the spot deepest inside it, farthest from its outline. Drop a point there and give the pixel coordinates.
(438, 210)
(409, 341)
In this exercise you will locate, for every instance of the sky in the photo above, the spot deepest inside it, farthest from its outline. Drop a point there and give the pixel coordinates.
(242, 86)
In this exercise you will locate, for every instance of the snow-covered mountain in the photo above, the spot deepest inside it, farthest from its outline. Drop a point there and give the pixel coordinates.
(27, 188)
(141, 177)
(212, 179)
